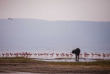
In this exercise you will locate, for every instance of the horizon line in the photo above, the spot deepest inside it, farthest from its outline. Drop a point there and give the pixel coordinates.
(54, 20)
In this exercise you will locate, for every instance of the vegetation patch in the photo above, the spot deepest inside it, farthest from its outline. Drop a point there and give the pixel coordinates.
(31, 60)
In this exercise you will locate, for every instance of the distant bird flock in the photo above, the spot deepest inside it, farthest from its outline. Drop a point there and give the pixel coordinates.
(56, 55)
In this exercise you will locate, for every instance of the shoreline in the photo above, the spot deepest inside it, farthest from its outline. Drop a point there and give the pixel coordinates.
(26, 65)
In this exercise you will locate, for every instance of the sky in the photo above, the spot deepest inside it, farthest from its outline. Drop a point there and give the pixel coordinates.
(60, 27)
(52, 10)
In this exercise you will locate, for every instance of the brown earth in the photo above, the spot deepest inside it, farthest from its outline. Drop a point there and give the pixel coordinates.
(51, 68)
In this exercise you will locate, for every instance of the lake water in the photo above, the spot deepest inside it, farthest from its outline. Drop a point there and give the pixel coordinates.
(66, 60)
(42, 73)
(21, 73)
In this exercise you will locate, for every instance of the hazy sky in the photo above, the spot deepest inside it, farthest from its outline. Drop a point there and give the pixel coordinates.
(20, 34)
(92, 10)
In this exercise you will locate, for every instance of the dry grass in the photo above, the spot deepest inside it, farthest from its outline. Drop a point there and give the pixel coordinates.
(21, 64)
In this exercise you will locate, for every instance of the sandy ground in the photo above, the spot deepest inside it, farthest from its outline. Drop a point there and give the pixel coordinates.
(48, 68)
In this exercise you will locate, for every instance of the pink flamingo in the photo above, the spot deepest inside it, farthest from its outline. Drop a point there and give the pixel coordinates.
(57, 54)
(107, 55)
(3, 54)
(11, 54)
(52, 54)
(104, 55)
(67, 55)
(86, 54)
(92, 54)
(71, 55)
(62, 54)
(99, 55)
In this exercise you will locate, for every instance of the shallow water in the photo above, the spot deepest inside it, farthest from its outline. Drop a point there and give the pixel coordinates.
(21, 73)
(42, 73)
(66, 60)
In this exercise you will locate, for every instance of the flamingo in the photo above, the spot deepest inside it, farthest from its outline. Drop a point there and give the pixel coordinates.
(57, 54)
(104, 55)
(71, 55)
(3, 54)
(67, 55)
(92, 54)
(86, 54)
(52, 54)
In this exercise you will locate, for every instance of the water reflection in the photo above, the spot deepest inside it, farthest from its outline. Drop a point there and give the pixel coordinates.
(20, 73)
(42, 73)
(66, 60)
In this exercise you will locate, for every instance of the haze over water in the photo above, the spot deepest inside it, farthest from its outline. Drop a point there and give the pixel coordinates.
(35, 35)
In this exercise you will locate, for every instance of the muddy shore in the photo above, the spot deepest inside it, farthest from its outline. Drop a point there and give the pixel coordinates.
(29, 65)
(49, 68)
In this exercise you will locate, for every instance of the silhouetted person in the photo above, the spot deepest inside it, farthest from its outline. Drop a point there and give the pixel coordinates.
(76, 52)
